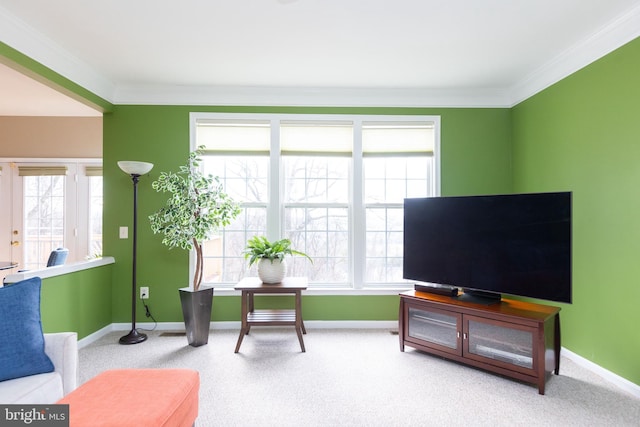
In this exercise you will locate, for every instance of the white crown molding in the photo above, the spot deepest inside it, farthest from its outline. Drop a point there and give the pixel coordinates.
(609, 38)
(30, 42)
(311, 97)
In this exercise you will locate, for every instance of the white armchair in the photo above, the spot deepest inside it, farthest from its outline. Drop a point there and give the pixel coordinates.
(62, 349)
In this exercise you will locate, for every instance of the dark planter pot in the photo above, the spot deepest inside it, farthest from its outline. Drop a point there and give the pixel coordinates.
(196, 310)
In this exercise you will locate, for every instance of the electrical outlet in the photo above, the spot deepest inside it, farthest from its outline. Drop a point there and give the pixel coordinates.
(144, 292)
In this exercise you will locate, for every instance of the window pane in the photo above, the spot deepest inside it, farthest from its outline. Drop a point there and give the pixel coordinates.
(43, 218)
(384, 244)
(321, 233)
(311, 179)
(387, 182)
(391, 180)
(95, 216)
(245, 178)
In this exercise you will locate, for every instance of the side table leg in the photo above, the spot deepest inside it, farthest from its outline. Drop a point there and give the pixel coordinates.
(244, 329)
(242, 333)
(299, 332)
(299, 323)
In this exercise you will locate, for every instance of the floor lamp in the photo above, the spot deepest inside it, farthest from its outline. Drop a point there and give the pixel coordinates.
(135, 170)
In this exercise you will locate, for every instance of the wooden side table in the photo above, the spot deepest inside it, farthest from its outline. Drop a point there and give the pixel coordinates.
(251, 317)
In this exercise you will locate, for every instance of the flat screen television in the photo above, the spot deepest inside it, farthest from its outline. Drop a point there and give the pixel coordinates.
(517, 244)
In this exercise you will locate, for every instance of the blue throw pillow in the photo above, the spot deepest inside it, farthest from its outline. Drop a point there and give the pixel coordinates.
(21, 340)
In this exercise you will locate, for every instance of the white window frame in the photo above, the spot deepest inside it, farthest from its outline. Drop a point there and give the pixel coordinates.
(357, 219)
(76, 233)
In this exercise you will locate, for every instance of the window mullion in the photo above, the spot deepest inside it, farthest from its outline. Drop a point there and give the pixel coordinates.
(71, 209)
(358, 216)
(275, 210)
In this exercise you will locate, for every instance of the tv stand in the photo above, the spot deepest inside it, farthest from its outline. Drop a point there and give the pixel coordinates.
(517, 339)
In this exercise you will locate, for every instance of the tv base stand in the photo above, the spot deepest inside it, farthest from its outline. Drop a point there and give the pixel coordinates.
(517, 339)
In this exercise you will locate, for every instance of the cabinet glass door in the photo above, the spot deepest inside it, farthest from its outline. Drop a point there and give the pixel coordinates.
(512, 345)
(436, 327)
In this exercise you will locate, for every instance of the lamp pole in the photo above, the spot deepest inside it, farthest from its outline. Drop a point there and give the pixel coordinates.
(135, 170)
(134, 337)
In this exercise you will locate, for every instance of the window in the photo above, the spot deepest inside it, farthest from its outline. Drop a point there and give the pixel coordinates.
(334, 185)
(55, 203)
(398, 162)
(316, 164)
(94, 197)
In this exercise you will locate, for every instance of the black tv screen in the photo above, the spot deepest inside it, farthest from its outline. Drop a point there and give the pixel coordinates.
(517, 244)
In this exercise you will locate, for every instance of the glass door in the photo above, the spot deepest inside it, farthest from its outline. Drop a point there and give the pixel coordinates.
(434, 328)
(499, 343)
(39, 216)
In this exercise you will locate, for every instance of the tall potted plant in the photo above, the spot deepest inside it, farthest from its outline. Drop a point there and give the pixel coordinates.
(197, 208)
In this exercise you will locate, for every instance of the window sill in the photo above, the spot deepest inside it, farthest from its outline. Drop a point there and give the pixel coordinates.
(229, 291)
(59, 270)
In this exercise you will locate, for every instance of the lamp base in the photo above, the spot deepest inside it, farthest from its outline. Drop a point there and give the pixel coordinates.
(133, 337)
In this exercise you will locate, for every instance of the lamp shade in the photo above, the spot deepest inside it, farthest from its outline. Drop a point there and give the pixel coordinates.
(135, 168)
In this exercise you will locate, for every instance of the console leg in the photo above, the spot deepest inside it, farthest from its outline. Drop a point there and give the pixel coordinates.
(557, 344)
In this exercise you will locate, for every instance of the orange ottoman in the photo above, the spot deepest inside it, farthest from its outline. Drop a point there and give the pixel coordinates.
(136, 398)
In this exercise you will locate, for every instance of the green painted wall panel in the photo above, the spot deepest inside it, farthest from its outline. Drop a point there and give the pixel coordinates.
(476, 158)
(582, 134)
(317, 307)
(79, 301)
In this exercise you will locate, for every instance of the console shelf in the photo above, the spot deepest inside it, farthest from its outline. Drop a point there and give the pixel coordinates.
(513, 338)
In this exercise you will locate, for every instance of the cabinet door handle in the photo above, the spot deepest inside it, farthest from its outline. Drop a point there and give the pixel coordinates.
(458, 334)
(464, 336)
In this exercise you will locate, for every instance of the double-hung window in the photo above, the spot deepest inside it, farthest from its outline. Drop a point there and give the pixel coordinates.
(398, 162)
(332, 184)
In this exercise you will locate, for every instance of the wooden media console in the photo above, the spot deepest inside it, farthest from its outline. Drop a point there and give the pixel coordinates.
(517, 339)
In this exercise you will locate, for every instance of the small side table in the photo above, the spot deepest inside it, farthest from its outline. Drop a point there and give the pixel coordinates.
(251, 317)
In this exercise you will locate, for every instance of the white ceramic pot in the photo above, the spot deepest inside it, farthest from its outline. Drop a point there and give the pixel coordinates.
(271, 272)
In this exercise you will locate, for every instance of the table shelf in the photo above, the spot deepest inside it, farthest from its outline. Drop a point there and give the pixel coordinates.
(272, 317)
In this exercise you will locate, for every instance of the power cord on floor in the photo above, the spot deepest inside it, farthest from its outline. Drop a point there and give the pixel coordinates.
(149, 315)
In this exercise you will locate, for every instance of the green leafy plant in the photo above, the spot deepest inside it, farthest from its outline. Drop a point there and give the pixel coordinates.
(196, 209)
(259, 247)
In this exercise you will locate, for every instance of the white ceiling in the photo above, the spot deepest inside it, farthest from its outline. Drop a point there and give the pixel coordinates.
(317, 52)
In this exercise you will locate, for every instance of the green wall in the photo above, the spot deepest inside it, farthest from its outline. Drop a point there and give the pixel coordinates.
(79, 301)
(583, 134)
(476, 158)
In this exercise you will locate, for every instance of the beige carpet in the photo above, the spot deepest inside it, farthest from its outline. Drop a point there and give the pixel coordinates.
(358, 378)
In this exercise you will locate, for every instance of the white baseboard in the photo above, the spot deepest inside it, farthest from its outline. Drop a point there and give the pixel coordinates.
(179, 326)
(617, 380)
